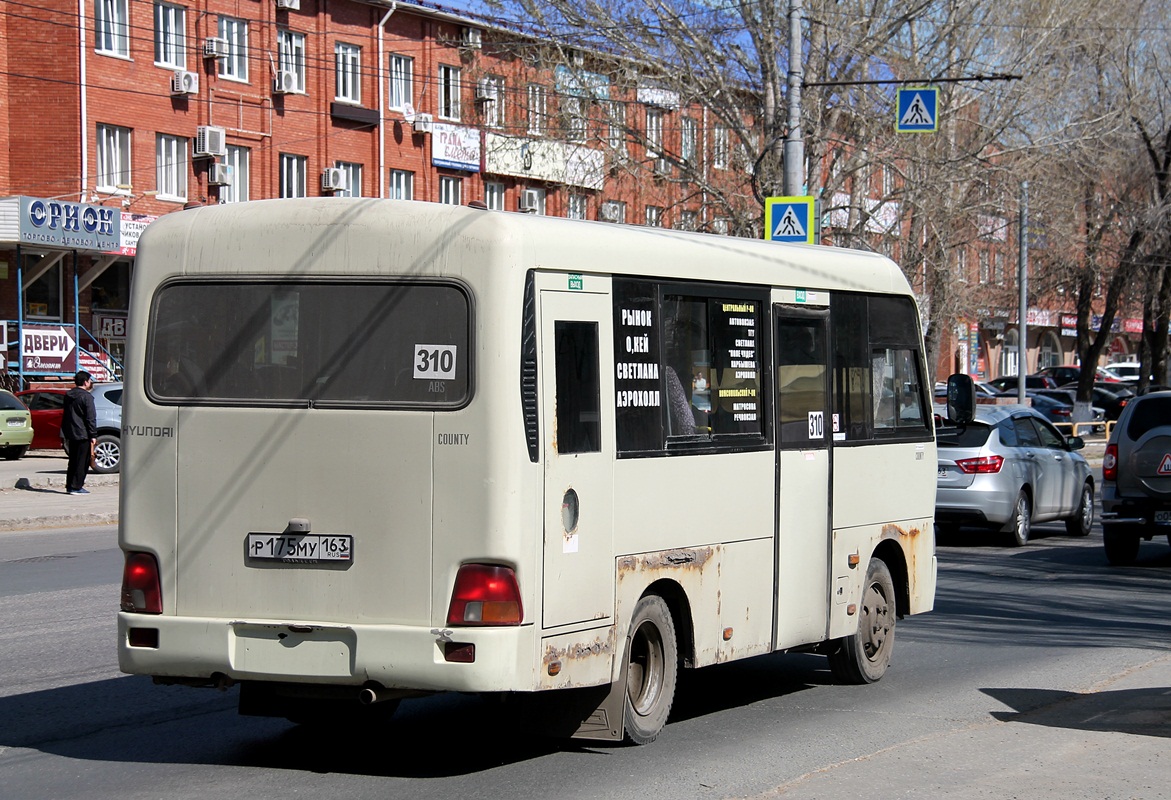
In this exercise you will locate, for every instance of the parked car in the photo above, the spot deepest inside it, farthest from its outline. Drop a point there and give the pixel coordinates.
(1009, 468)
(1136, 477)
(1110, 397)
(1051, 408)
(1071, 374)
(1069, 397)
(1127, 371)
(1008, 383)
(46, 406)
(16, 427)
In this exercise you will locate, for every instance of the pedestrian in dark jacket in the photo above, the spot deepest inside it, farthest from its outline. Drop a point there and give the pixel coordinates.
(79, 428)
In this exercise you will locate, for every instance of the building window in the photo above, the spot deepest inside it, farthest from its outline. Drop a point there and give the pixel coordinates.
(688, 221)
(401, 73)
(720, 147)
(998, 268)
(110, 27)
(42, 298)
(293, 175)
(448, 92)
(110, 291)
(353, 179)
(171, 167)
(538, 111)
(235, 32)
(237, 190)
(492, 101)
(1049, 354)
(888, 181)
(574, 117)
(450, 190)
(113, 158)
(170, 36)
(654, 217)
(654, 132)
(688, 136)
(616, 130)
(533, 201)
(961, 265)
(402, 185)
(578, 206)
(291, 55)
(494, 195)
(985, 266)
(348, 61)
(612, 211)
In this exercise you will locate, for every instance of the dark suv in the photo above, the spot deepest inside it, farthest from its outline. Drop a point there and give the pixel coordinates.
(1136, 477)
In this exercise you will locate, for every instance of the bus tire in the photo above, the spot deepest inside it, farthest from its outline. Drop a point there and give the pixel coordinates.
(651, 670)
(865, 656)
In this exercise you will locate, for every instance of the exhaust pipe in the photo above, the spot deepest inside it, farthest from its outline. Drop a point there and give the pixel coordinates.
(373, 693)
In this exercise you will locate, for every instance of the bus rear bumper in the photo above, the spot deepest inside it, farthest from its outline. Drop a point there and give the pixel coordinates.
(225, 651)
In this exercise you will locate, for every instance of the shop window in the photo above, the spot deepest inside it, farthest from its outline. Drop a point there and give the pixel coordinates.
(110, 291)
(43, 298)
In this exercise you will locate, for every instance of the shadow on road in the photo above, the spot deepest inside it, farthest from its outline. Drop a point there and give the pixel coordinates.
(1142, 712)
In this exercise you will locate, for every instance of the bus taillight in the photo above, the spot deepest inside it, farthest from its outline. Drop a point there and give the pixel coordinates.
(140, 584)
(485, 594)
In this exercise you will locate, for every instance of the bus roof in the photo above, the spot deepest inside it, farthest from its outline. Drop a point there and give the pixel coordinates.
(367, 236)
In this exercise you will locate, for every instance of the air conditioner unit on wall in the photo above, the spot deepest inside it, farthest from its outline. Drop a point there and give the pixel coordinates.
(333, 179)
(423, 123)
(289, 5)
(220, 174)
(184, 82)
(215, 47)
(285, 82)
(471, 38)
(210, 141)
(487, 91)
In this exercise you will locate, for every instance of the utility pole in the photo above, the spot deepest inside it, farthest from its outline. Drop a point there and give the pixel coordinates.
(794, 144)
(1023, 282)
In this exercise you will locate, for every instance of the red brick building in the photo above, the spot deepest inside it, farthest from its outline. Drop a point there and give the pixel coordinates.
(117, 111)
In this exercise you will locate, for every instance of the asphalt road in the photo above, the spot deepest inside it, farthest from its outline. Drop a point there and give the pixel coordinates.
(1042, 673)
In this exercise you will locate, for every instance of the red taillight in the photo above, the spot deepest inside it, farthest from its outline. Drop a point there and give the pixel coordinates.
(485, 594)
(140, 584)
(1062, 412)
(981, 465)
(1110, 463)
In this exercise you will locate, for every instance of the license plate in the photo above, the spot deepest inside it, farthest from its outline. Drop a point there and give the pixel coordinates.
(301, 548)
(15, 422)
(1163, 517)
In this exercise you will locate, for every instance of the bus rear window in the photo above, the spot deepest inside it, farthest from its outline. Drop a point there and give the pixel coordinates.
(312, 343)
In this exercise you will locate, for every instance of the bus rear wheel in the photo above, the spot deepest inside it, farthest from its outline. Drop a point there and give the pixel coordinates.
(651, 670)
(865, 656)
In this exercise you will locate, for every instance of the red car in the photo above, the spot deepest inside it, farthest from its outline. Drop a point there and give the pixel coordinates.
(46, 406)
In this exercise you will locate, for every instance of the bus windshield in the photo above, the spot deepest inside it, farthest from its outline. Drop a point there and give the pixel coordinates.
(310, 343)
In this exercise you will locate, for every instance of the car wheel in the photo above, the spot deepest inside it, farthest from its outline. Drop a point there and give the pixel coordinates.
(865, 656)
(1121, 545)
(107, 454)
(1021, 522)
(1083, 519)
(13, 453)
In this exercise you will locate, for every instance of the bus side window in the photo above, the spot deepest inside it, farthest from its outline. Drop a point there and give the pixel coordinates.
(578, 387)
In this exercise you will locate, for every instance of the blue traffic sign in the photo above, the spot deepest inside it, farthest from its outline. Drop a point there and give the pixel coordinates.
(789, 219)
(918, 110)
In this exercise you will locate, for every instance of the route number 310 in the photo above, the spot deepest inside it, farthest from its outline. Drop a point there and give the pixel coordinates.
(435, 362)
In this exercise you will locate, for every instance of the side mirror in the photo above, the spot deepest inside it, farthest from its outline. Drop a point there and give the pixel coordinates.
(1075, 442)
(961, 399)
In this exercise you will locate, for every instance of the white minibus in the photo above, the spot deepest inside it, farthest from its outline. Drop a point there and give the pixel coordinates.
(379, 449)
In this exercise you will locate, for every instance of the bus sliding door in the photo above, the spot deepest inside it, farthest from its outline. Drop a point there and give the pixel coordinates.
(578, 449)
(804, 462)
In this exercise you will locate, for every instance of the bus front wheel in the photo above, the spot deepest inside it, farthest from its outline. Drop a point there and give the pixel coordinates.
(864, 656)
(651, 656)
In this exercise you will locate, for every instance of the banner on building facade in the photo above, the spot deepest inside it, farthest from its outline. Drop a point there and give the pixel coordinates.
(455, 147)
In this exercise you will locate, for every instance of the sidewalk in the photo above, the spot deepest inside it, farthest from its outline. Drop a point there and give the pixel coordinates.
(33, 496)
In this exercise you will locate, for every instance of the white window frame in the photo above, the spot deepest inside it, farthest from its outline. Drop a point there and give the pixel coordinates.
(402, 184)
(688, 138)
(170, 36)
(290, 47)
(353, 179)
(113, 158)
(616, 129)
(573, 112)
(238, 159)
(720, 149)
(449, 92)
(538, 121)
(450, 190)
(654, 217)
(654, 132)
(234, 66)
(111, 27)
(578, 206)
(494, 195)
(171, 167)
(961, 265)
(293, 178)
(493, 113)
(401, 70)
(348, 65)
(688, 221)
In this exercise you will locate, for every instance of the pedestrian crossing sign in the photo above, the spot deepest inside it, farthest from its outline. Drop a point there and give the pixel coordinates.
(789, 219)
(918, 110)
